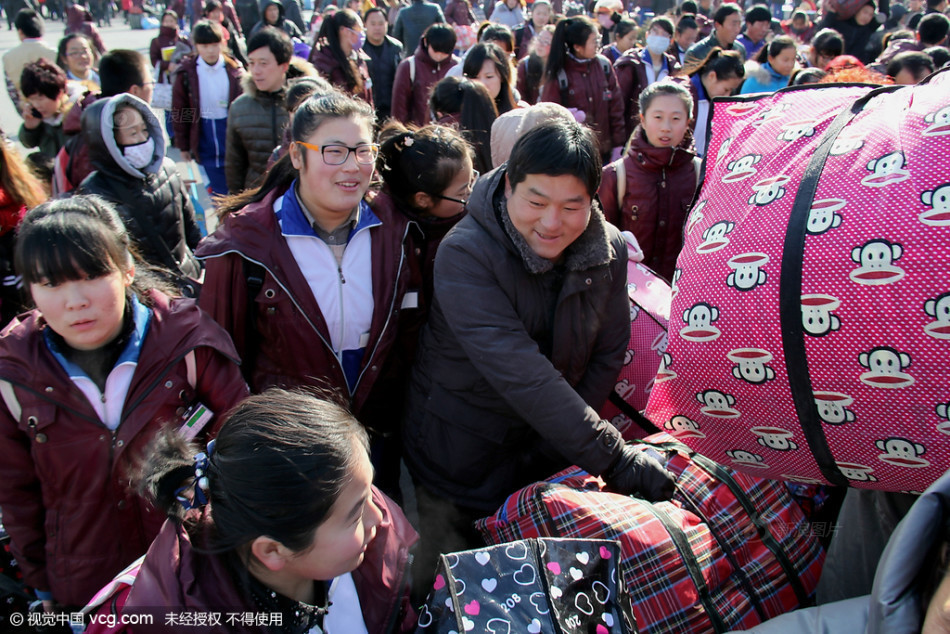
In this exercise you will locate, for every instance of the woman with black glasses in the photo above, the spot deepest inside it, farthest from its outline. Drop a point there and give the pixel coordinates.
(309, 280)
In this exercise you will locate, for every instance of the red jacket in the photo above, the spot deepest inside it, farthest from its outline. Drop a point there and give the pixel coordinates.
(293, 346)
(65, 494)
(411, 96)
(631, 69)
(330, 69)
(660, 183)
(459, 13)
(175, 577)
(595, 92)
(186, 100)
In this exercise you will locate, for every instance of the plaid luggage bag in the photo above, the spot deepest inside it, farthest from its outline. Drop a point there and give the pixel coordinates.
(649, 296)
(729, 551)
(810, 320)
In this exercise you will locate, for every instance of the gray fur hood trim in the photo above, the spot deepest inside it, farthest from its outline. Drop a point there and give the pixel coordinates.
(489, 207)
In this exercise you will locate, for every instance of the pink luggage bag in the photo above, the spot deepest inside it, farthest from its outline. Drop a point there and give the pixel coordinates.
(810, 322)
(649, 296)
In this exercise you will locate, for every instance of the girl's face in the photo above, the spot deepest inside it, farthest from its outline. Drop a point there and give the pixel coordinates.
(665, 121)
(78, 57)
(272, 14)
(333, 191)
(589, 50)
(784, 62)
(716, 87)
(864, 15)
(687, 38)
(340, 542)
(449, 202)
(490, 78)
(542, 44)
(513, 4)
(626, 42)
(540, 15)
(87, 313)
(169, 21)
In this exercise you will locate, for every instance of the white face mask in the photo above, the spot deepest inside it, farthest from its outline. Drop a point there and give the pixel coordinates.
(657, 44)
(141, 154)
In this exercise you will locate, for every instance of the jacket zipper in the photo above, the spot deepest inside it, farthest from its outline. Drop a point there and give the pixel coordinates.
(406, 562)
(402, 258)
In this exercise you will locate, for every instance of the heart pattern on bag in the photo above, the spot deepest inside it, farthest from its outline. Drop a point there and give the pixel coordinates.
(535, 586)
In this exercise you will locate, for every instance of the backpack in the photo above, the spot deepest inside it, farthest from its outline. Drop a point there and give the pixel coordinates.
(810, 324)
(562, 78)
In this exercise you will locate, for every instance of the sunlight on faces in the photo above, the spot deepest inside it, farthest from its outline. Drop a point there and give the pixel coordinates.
(78, 56)
(210, 53)
(687, 38)
(460, 188)
(436, 56)
(716, 87)
(542, 44)
(540, 15)
(130, 127)
(266, 73)
(665, 121)
(47, 107)
(758, 30)
(729, 30)
(784, 62)
(331, 192)
(550, 212)
(589, 50)
(488, 76)
(87, 313)
(169, 21)
(376, 28)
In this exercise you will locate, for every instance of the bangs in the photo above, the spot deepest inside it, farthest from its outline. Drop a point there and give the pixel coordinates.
(65, 247)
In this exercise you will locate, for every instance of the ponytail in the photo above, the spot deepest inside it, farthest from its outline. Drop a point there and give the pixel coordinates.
(726, 65)
(568, 33)
(329, 35)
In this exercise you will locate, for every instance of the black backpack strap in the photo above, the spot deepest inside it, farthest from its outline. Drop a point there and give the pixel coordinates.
(254, 276)
(633, 413)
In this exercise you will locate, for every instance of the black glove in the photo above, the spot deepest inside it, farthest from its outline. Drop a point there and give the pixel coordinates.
(636, 472)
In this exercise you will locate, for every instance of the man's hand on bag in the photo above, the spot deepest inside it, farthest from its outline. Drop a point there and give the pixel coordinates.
(636, 472)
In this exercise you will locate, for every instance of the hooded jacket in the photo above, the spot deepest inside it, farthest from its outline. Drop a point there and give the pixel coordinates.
(176, 576)
(186, 100)
(288, 26)
(256, 122)
(659, 185)
(631, 69)
(893, 607)
(67, 504)
(152, 202)
(411, 95)
(595, 92)
(516, 357)
(288, 317)
(292, 11)
(329, 67)
(762, 78)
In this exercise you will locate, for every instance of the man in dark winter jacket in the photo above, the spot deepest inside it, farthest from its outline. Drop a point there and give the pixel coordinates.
(127, 148)
(526, 336)
(727, 23)
(256, 119)
(384, 52)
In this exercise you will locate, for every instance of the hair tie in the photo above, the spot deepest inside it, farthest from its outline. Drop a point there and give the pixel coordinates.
(406, 141)
(199, 484)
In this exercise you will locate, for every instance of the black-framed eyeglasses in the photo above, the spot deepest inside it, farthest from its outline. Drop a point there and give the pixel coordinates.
(461, 201)
(334, 154)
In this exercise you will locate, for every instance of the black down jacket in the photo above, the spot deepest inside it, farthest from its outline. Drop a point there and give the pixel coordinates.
(153, 201)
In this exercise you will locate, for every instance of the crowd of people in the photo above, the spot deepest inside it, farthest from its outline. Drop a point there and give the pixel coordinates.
(419, 229)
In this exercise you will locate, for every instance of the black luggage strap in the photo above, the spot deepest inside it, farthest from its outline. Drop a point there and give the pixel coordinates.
(790, 291)
(681, 542)
(633, 413)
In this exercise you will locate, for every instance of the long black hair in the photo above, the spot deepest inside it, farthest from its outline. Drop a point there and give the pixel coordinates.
(278, 466)
(568, 33)
(489, 51)
(476, 113)
(427, 164)
(329, 36)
